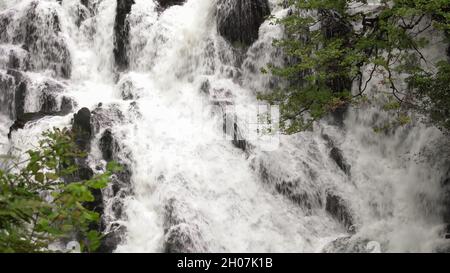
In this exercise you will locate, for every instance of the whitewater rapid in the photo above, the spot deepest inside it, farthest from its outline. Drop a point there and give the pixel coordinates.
(182, 164)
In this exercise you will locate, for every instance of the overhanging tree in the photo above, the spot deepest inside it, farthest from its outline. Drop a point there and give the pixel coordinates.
(328, 44)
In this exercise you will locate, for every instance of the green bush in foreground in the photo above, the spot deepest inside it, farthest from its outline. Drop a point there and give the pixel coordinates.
(37, 208)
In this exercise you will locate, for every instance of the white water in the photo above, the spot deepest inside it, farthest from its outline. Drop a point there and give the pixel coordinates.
(177, 151)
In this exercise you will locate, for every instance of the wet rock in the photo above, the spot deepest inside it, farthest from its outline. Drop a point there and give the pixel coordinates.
(44, 41)
(129, 90)
(31, 117)
(6, 18)
(82, 13)
(107, 145)
(180, 236)
(238, 21)
(337, 156)
(82, 128)
(205, 87)
(119, 188)
(163, 4)
(50, 104)
(112, 239)
(348, 244)
(14, 57)
(106, 117)
(292, 189)
(179, 240)
(220, 96)
(85, 3)
(20, 91)
(337, 208)
(121, 34)
(67, 105)
(238, 140)
(49, 94)
(23, 120)
(7, 87)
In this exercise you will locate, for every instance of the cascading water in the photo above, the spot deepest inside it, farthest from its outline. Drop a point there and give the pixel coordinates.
(187, 188)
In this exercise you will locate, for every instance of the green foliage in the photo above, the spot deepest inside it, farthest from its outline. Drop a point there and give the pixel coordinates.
(326, 55)
(37, 208)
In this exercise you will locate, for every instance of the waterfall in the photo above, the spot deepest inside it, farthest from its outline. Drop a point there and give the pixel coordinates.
(187, 186)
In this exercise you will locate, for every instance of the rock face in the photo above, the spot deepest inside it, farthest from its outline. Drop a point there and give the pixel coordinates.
(82, 131)
(180, 236)
(82, 128)
(16, 85)
(44, 42)
(292, 188)
(20, 91)
(112, 239)
(37, 30)
(14, 57)
(107, 145)
(7, 87)
(348, 245)
(103, 120)
(121, 34)
(338, 157)
(163, 4)
(336, 206)
(238, 21)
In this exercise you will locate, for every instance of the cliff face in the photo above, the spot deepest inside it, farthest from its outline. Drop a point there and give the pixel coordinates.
(238, 21)
(121, 33)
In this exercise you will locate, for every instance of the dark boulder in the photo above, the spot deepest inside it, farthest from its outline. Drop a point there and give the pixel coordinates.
(112, 239)
(23, 120)
(107, 145)
(163, 4)
(337, 156)
(31, 117)
(238, 21)
(82, 128)
(337, 208)
(49, 97)
(20, 92)
(121, 34)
